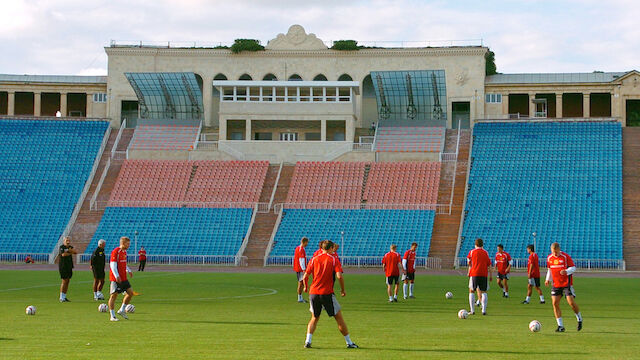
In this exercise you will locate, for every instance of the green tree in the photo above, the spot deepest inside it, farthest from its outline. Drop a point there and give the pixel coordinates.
(240, 45)
(345, 45)
(490, 63)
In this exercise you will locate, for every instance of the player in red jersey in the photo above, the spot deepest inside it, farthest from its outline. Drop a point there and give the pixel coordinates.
(409, 270)
(503, 267)
(300, 265)
(479, 267)
(334, 252)
(319, 251)
(321, 295)
(391, 264)
(560, 271)
(142, 257)
(533, 273)
(118, 275)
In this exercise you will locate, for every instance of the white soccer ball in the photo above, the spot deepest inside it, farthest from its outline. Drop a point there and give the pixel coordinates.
(535, 326)
(449, 295)
(103, 308)
(30, 310)
(463, 314)
(130, 308)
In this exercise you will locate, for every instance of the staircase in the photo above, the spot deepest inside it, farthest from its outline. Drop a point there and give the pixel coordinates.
(265, 222)
(446, 227)
(631, 196)
(87, 221)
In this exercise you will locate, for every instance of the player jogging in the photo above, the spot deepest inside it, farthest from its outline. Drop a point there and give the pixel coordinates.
(300, 265)
(409, 270)
(322, 269)
(560, 271)
(391, 264)
(118, 276)
(479, 268)
(503, 267)
(65, 266)
(533, 273)
(97, 267)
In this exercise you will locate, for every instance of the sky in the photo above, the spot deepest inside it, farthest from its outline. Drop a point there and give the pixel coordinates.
(69, 36)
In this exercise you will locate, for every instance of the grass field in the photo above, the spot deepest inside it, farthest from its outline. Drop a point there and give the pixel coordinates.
(255, 316)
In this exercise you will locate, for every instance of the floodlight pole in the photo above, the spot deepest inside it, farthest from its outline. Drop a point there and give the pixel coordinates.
(135, 239)
(535, 246)
(342, 244)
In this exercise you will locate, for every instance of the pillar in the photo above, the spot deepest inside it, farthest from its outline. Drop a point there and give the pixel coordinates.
(349, 129)
(11, 103)
(37, 103)
(586, 106)
(532, 106)
(323, 130)
(222, 129)
(207, 100)
(247, 125)
(559, 105)
(89, 107)
(505, 104)
(63, 104)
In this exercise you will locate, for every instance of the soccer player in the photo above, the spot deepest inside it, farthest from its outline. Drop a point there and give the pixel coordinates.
(533, 273)
(409, 270)
(319, 251)
(97, 267)
(118, 275)
(479, 268)
(503, 267)
(65, 266)
(142, 257)
(391, 264)
(300, 265)
(560, 270)
(321, 294)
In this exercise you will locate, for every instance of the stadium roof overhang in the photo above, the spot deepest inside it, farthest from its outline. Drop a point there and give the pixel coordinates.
(167, 95)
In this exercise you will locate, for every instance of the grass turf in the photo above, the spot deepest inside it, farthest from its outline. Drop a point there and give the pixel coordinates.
(255, 316)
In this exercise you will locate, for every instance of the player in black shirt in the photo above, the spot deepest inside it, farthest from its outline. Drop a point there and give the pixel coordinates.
(65, 266)
(97, 266)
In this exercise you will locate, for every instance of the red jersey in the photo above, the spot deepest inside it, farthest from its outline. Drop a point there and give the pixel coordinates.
(533, 266)
(557, 264)
(318, 252)
(502, 262)
(479, 262)
(142, 254)
(335, 256)
(298, 254)
(410, 256)
(119, 256)
(390, 261)
(322, 268)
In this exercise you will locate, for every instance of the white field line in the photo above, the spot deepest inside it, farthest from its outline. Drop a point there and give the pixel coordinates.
(267, 293)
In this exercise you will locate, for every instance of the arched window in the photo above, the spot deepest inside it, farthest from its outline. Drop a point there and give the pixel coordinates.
(320, 77)
(295, 77)
(270, 77)
(220, 76)
(345, 77)
(367, 87)
(199, 81)
(245, 77)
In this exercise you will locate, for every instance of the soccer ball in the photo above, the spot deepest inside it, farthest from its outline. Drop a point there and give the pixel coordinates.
(463, 314)
(30, 310)
(449, 295)
(535, 326)
(130, 308)
(103, 308)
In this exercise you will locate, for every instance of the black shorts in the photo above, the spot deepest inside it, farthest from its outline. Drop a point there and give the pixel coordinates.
(503, 277)
(567, 291)
(409, 276)
(66, 273)
(328, 302)
(393, 279)
(534, 282)
(119, 287)
(98, 273)
(478, 282)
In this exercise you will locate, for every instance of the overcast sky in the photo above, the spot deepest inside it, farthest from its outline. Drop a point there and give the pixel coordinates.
(68, 36)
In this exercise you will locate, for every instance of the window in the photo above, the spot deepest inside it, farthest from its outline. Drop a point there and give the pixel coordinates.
(312, 136)
(100, 98)
(262, 136)
(289, 136)
(493, 98)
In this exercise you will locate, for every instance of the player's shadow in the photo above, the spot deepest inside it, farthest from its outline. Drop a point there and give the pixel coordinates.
(4, 338)
(484, 351)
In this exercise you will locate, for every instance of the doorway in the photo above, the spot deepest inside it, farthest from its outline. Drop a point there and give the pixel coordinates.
(461, 114)
(633, 112)
(129, 111)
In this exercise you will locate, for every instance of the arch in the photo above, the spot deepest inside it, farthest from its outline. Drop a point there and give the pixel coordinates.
(220, 76)
(345, 77)
(295, 77)
(245, 76)
(320, 77)
(199, 81)
(269, 77)
(367, 87)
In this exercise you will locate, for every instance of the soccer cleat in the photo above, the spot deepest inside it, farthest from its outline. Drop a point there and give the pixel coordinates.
(484, 313)
(65, 300)
(352, 346)
(478, 303)
(411, 297)
(390, 301)
(525, 302)
(579, 325)
(472, 312)
(307, 345)
(123, 314)
(541, 301)
(560, 329)
(303, 301)
(506, 295)
(114, 319)
(395, 299)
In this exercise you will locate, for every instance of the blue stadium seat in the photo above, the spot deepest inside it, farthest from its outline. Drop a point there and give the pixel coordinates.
(44, 165)
(561, 180)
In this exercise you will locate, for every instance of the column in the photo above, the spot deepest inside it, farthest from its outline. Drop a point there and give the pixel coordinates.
(207, 100)
(559, 105)
(11, 103)
(89, 108)
(323, 130)
(222, 129)
(532, 106)
(37, 104)
(349, 128)
(505, 104)
(586, 106)
(247, 125)
(63, 104)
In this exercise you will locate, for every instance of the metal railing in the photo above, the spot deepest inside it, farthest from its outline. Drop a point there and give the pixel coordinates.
(362, 147)
(17, 258)
(94, 198)
(209, 137)
(368, 139)
(178, 204)
(245, 241)
(438, 208)
(581, 264)
(226, 260)
(273, 236)
(359, 261)
(207, 145)
(275, 185)
(114, 149)
(390, 44)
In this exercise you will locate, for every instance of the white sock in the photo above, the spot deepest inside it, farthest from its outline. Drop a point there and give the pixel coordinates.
(527, 298)
(506, 293)
(348, 339)
(404, 290)
(122, 307)
(390, 298)
(308, 340)
(300, 297)
(472, 301)
(95, 294)
(395, 296)
(411, 289)
(579, 316)
(484, 301)
(63, 296)
(559, 321)
(541, 297)
(113, 313)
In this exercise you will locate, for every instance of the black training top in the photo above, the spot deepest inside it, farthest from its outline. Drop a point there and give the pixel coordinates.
(97, 259)
(66, 262)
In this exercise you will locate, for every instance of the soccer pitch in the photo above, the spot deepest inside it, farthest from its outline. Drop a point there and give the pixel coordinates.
(256, 316)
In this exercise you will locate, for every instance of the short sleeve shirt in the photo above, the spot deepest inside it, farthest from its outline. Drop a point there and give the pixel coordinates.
(557, 264)
(533, 266)
(502, 262)
(390, 261)
(120, 257)
(322, 268)
(479, 262)
(298, 254)
(65, 262)
(410, 256)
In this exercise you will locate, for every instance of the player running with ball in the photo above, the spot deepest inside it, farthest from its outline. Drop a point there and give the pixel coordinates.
(118, 271)
(560, 271)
